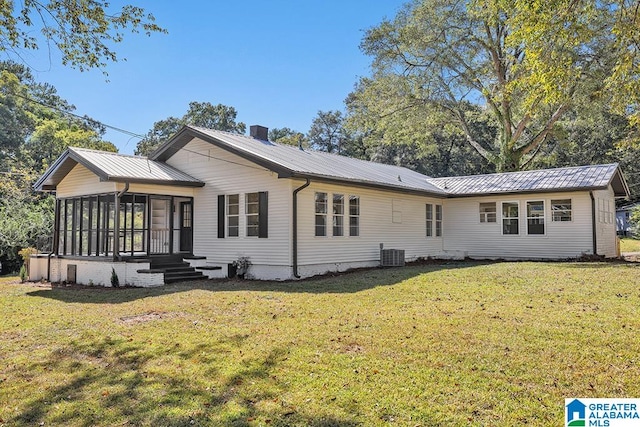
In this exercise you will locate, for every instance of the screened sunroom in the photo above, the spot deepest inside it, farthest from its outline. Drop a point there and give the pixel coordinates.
(110, 205)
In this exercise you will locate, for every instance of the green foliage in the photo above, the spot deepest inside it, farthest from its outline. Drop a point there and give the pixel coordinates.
(288, 136)
(525, 63)
(203, 114)
(328, 133)
(34, 131)
(23, 273)
(115, 281)
(84, 32)
(634, 219)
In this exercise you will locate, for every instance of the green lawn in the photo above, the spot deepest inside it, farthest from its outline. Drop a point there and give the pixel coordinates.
(435, 345)
(628, 244)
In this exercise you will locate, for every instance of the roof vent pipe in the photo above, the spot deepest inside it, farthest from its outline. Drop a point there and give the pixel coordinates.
(259, 132)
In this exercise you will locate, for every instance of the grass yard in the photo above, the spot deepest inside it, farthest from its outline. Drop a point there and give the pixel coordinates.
(435, 345)
(628, 244)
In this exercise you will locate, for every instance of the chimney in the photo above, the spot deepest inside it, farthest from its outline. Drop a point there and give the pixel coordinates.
(259, 132)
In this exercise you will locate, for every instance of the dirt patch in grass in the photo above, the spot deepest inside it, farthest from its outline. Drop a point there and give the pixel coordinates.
(148, 317)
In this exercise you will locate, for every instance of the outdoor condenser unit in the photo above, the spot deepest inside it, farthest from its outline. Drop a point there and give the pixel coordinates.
(391, 257)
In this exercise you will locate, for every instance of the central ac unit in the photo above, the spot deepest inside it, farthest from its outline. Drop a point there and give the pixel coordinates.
(392, 257)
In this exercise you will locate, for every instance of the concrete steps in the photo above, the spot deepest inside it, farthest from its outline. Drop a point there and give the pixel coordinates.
(175, 270)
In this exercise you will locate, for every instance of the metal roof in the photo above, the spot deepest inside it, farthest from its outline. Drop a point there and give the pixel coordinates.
(114, 167)
(545, 180)
(291, 161)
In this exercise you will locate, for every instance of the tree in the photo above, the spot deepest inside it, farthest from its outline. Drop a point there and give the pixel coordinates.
(327, 133)
(83, 31)
(203, 114)
(36, 126)
(288, 136)
(424, 141)
(523, 62)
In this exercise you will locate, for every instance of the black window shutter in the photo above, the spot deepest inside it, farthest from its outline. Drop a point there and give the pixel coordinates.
(221, 215)
(263, 215)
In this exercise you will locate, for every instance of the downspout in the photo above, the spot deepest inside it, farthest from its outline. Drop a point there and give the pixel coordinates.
(593, 223)
(294, 237)
(116, 234)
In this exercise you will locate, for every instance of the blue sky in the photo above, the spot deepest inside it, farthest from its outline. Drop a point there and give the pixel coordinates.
(277, 62)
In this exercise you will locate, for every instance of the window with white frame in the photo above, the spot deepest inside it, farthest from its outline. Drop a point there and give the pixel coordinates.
(488, 212)
(233, 215)
(561, 210)
(354, 216)
(605, 211)
(338, 214)
(252, 212)
(535, 217)
(321, 214)
(438, 220)
(429, 220)
(510, 218)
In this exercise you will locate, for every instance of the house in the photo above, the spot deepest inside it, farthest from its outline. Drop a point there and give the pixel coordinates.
(207, 198)
(623, 216)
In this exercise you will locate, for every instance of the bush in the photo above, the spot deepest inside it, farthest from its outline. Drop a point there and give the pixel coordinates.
(23, 273)
(634, 221)
(115, 281)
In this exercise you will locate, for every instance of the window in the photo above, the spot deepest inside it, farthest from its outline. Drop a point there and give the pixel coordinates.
(338, 215)
(233, 215)
(252, 206)
(604, 211)
(321, 214)
(561, 210)
(488, 212)
(396, 211)
(429, 220)
(535, 217)
(438, 220)
(354, 216)
(510, 218)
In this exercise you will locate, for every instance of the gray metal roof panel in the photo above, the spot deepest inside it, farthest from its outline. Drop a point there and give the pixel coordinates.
(578, 177)
(321, 164)
(113, 167)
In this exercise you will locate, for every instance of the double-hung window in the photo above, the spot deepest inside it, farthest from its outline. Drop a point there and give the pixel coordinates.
(438, 220)
(321, 214)
(252, 212)
(535, 217)
(338, 215)
(510, 217)
(233, 215)
(429, 219)
(488, 212)
(354, 216)
(561, 210)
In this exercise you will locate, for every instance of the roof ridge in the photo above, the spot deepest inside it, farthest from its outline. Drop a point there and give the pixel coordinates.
(135, 156)
(522, 172)
(311, 150)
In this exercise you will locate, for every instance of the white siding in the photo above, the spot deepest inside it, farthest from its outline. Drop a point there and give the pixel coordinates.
(80, 182)
(162, 190)
(378, 210)
(605, 224)
(464, 231)
(225, 173)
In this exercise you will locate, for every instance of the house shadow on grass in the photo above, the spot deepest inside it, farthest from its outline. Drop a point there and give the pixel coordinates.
(118, 382)
(349, 282)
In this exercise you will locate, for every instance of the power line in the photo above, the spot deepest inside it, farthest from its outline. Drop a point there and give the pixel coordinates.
(115, 128)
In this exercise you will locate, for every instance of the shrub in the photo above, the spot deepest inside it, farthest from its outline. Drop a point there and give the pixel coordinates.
(23, 273)
(115, 281)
